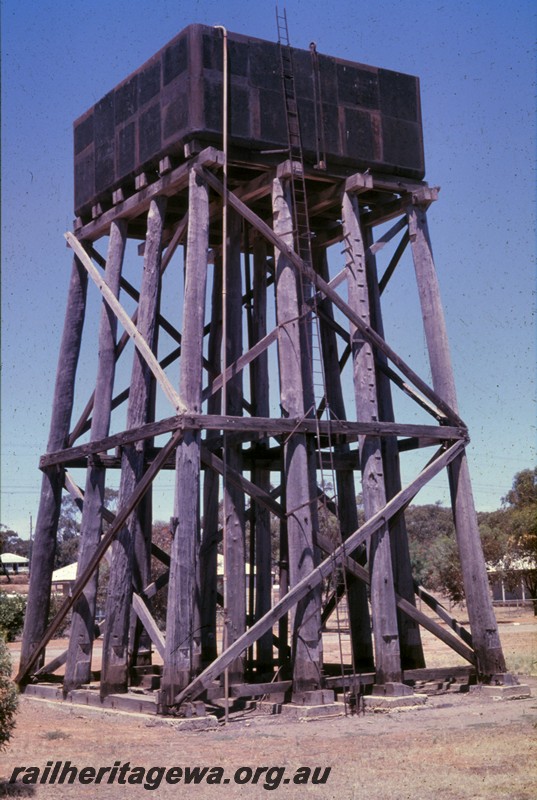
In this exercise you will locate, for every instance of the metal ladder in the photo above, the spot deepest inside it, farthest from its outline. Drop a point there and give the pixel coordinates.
(301, 223)
(302, 243)
(302, 238)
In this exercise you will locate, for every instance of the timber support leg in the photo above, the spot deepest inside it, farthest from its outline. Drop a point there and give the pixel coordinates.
(115, 666)
(306, 617)
(183, 639)
(44, 548)
(383, 606)
(485, 636)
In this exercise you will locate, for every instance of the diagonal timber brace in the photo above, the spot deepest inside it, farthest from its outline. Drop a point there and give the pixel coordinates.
(106, 541)
(322, 286)
(307, 584)
(138, 340)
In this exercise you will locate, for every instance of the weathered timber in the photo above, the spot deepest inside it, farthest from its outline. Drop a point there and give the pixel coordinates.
(311, 581)
(255, 352)
(251, 689)
(234, 545)
(374, 247)
(139, 202)
(129, 289)
(105, 543)
(149, 623)
(114, 675)
(321, 285)
(464, 673)
(390, 269)
(138, 339)
(259, 378)
(208, 556)
(264, 425)
(44, 546)
(83, 425)
(306, 617)
(78, 666)
(183, 644)
(444, 614)
(260, 496)
(410, 640)
(359, 619)
(410, 611)
(483, 624)
(410, 676)
(383, 608)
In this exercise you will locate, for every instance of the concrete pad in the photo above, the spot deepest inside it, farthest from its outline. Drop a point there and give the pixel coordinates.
(392, 690)
(302, 712)
(83, 697)
(45, 691)
(131, 702)
(518, 692)
(385, 703)
(314, 698)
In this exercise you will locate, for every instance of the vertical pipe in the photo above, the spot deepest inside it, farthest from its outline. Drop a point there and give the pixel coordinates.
(224, 336)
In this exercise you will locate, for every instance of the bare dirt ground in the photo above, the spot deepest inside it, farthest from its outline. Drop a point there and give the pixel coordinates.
(458, 746)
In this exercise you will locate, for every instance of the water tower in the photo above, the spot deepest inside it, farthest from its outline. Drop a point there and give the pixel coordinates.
(242, 165)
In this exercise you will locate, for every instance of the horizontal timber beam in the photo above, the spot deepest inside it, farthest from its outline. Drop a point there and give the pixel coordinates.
(139, 202)
(311, 581)
(106, 541)
(366, 330)
(265, 425)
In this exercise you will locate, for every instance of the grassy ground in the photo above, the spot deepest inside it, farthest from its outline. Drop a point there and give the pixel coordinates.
(458, 747)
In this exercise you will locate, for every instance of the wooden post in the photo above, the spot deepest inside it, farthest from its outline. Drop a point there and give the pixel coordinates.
(114, 675)
(261, 476)
(383, 607)
(234, 539)
(78, 664)
(306, 621)
(183, 641)
(409, 631)
(44, 547)
(211, 481)
(485, 636)
(359, 621)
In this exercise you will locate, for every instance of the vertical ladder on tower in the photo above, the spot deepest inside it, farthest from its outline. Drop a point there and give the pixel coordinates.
(298, 185)
(302, 242)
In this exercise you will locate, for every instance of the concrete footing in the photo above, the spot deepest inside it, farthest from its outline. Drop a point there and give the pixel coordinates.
(502, 692)
(384, 702)
(310, 712)
(132, 702)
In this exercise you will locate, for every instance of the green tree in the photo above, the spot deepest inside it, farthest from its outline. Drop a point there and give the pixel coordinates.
(520, 504)
(69, 527)
(433, 549)
(12, 610)
(8, 696)
(11, 542)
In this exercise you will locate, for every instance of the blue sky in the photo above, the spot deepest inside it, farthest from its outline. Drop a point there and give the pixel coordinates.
(476, 63)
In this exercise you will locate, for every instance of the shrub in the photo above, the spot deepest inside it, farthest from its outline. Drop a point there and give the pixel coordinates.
(12, 610)
(8, 696)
